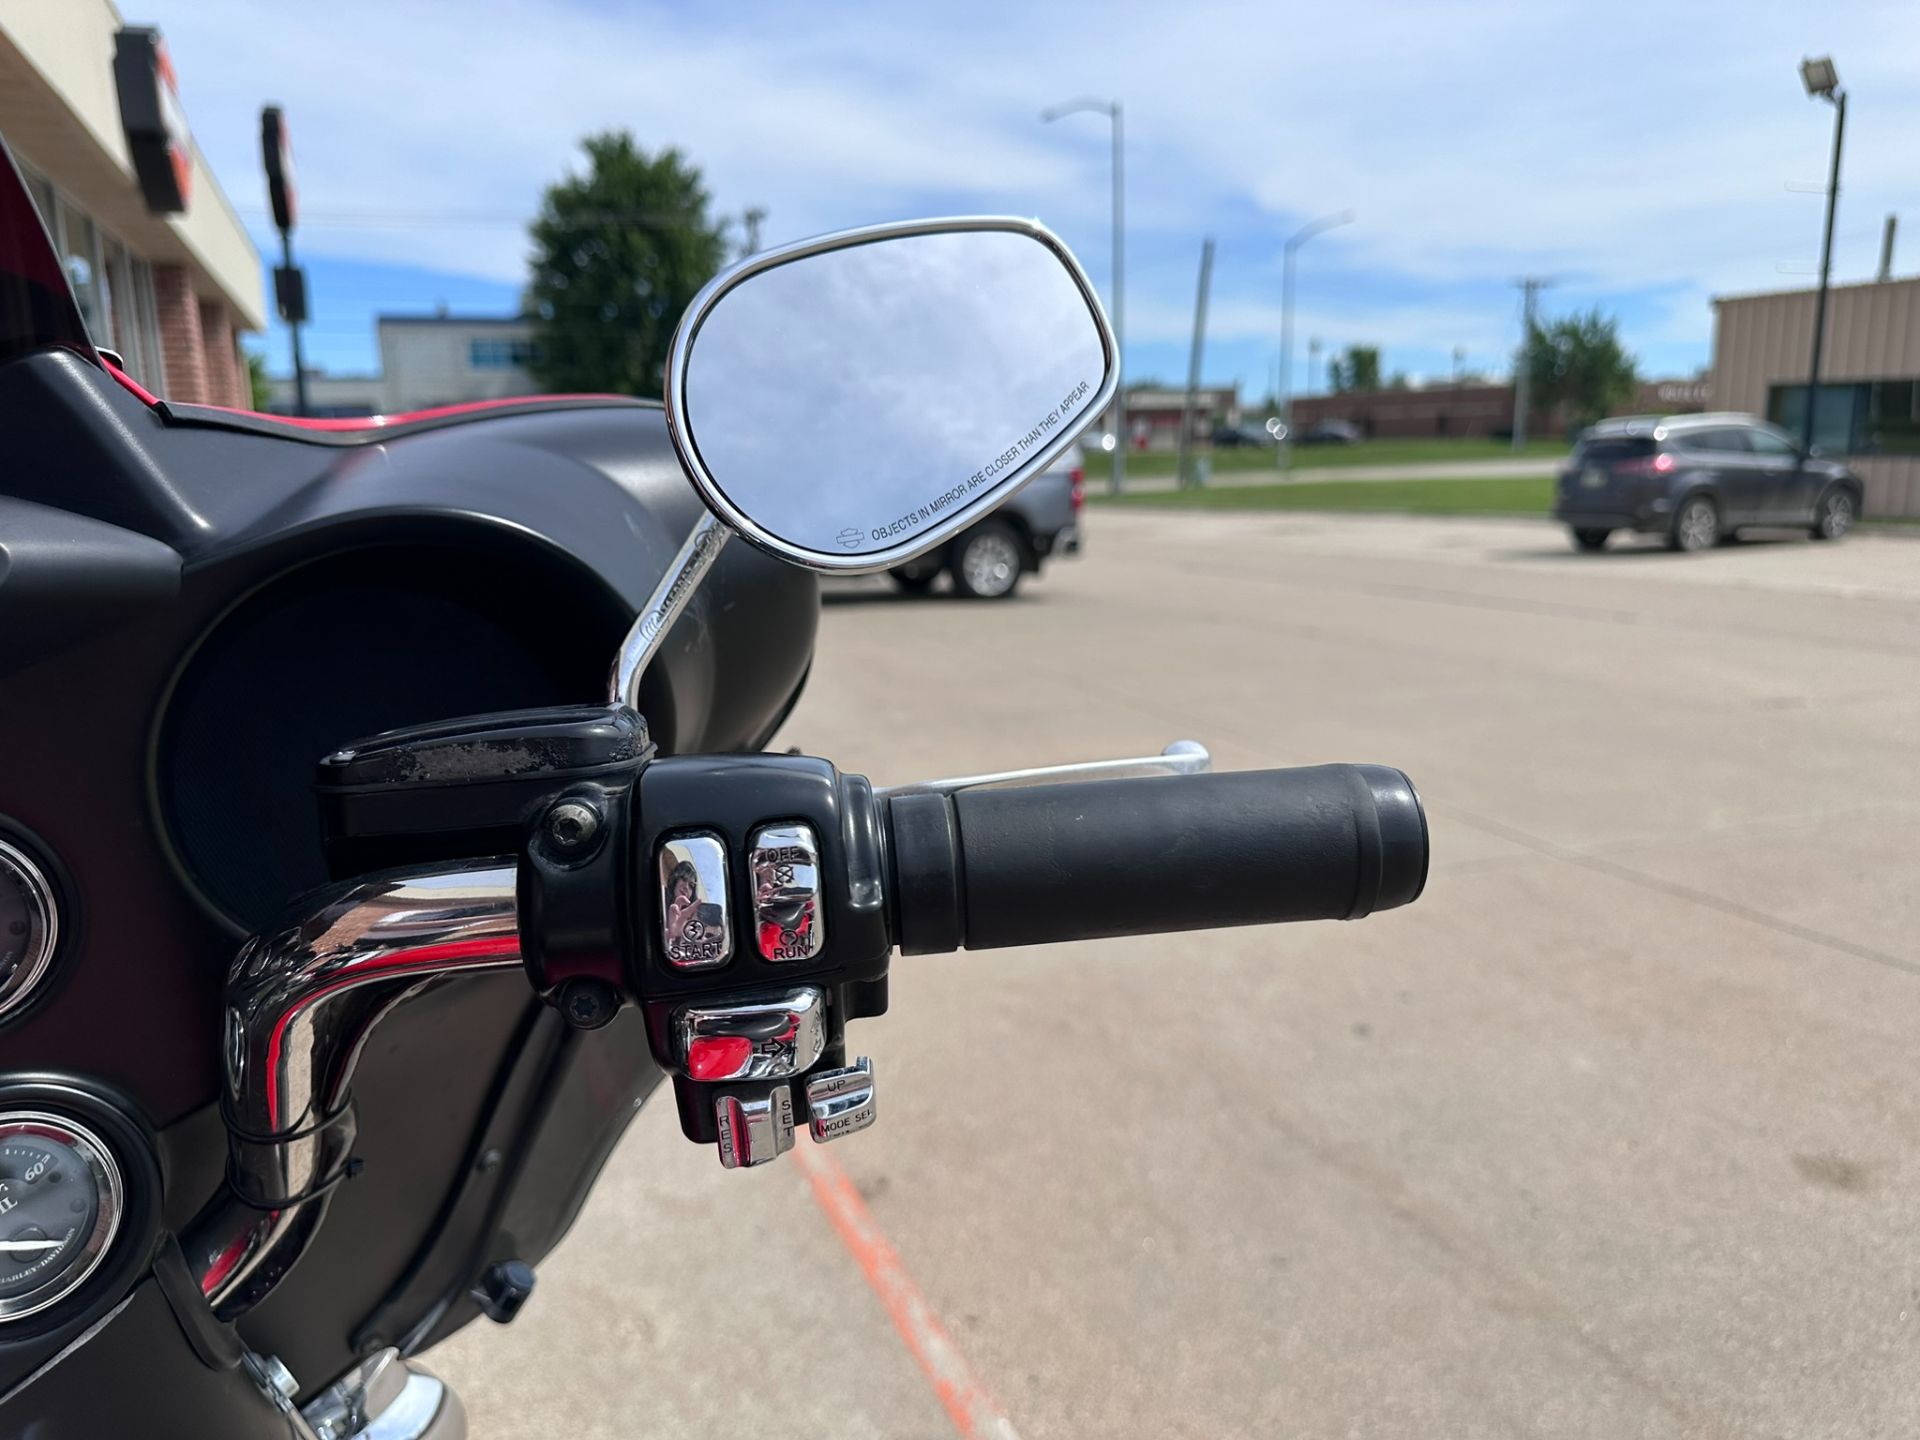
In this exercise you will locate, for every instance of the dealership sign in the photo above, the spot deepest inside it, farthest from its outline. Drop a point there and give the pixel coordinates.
(150, 113)
(276, 151)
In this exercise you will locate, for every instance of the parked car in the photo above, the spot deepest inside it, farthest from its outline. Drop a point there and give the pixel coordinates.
(987, 561)
(1235, 437)
(1698, 480)
(1330, 432)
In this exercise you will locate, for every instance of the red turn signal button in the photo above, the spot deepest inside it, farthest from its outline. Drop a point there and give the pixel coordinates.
(718, 1057)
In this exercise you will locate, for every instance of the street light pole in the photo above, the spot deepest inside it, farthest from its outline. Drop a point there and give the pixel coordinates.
(1823, 81)
(1117, 420)
(1292, 248)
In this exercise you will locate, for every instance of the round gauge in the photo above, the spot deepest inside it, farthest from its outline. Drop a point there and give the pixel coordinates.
(29, 926)
(60, 1205)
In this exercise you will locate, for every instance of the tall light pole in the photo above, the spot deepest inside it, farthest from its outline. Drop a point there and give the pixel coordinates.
(1823, 81)
(1117, 300)
(1292, 248)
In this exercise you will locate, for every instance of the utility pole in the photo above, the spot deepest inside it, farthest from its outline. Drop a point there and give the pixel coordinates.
(1314, 347)
(1118, 419)
(1886, 248)
(1193, 360)
(1530, 288)
(1459, 359)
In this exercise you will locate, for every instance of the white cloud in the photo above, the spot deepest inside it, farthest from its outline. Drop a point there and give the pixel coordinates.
(1620, 147)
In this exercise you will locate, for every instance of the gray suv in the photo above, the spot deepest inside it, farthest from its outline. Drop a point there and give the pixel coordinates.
(987, 561)
(1697, 479)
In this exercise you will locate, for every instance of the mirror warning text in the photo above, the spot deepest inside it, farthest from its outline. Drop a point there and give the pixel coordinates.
(1041, 432)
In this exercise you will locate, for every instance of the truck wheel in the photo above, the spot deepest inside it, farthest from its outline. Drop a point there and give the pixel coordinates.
(1590, 539)
(986, 564)
(914, 584)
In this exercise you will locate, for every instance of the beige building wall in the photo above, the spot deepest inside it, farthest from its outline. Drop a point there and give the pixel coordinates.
(1872, 333)
(433, 360)
(171, 292)
(62, 51)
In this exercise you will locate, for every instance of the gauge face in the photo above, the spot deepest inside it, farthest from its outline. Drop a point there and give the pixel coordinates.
(60, 1204)
(29, 926)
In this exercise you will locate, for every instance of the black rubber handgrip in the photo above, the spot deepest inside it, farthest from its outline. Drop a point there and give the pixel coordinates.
(1034, 865)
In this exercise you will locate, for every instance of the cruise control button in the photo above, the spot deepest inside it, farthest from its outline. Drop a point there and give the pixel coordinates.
(783, 862)
(754, 1130)
(840, 1102)
(695, 932)
(767, 1039)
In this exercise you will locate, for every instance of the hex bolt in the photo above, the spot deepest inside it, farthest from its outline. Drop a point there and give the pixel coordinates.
(572, 826)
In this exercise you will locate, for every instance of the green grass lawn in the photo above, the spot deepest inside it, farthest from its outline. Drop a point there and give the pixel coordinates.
(1504, 495)
(1317, 457)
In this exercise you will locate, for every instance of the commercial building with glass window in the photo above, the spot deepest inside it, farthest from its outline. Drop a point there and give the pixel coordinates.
(1867, 411)
(163, 269)
(428, 360)
(425, 360)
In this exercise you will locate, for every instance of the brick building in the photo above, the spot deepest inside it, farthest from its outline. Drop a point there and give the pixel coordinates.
(1153, 414)
(1471, 411)
(163, 270)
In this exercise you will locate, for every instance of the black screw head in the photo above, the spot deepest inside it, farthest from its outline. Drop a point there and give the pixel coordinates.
(588, 1004)
(573, 826)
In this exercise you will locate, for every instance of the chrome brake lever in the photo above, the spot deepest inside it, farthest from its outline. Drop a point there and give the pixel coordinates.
(1182, 757)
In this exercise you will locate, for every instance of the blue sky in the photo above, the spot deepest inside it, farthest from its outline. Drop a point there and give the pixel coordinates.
(1645, 156)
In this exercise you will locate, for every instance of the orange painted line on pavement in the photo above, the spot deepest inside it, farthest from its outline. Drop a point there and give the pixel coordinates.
(974, 1412)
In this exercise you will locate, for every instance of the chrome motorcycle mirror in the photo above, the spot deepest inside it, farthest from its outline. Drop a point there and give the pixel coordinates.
(850, 402)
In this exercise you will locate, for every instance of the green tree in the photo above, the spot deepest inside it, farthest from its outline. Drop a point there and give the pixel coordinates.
(1355, 368)
(259, 388)
(1578, 362)
(618, 253)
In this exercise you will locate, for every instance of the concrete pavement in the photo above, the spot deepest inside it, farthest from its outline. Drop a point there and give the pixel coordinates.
(1616, 1132)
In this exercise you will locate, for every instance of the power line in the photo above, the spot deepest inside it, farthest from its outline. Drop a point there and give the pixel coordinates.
(516, 218)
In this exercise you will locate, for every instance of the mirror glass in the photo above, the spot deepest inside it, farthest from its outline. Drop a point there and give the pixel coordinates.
(851, 406)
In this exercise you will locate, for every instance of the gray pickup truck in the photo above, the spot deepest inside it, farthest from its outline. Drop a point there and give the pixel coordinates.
(987, 561)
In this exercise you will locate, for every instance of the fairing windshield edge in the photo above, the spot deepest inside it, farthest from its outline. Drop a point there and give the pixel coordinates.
(37, 308)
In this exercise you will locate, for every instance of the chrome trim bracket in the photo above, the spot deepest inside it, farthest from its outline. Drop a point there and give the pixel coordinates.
(1181, 757)
(301, 1003)
(649, 630)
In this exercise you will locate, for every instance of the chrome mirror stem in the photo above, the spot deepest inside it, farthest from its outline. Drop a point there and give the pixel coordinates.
(1182, 757)
(663, 607)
